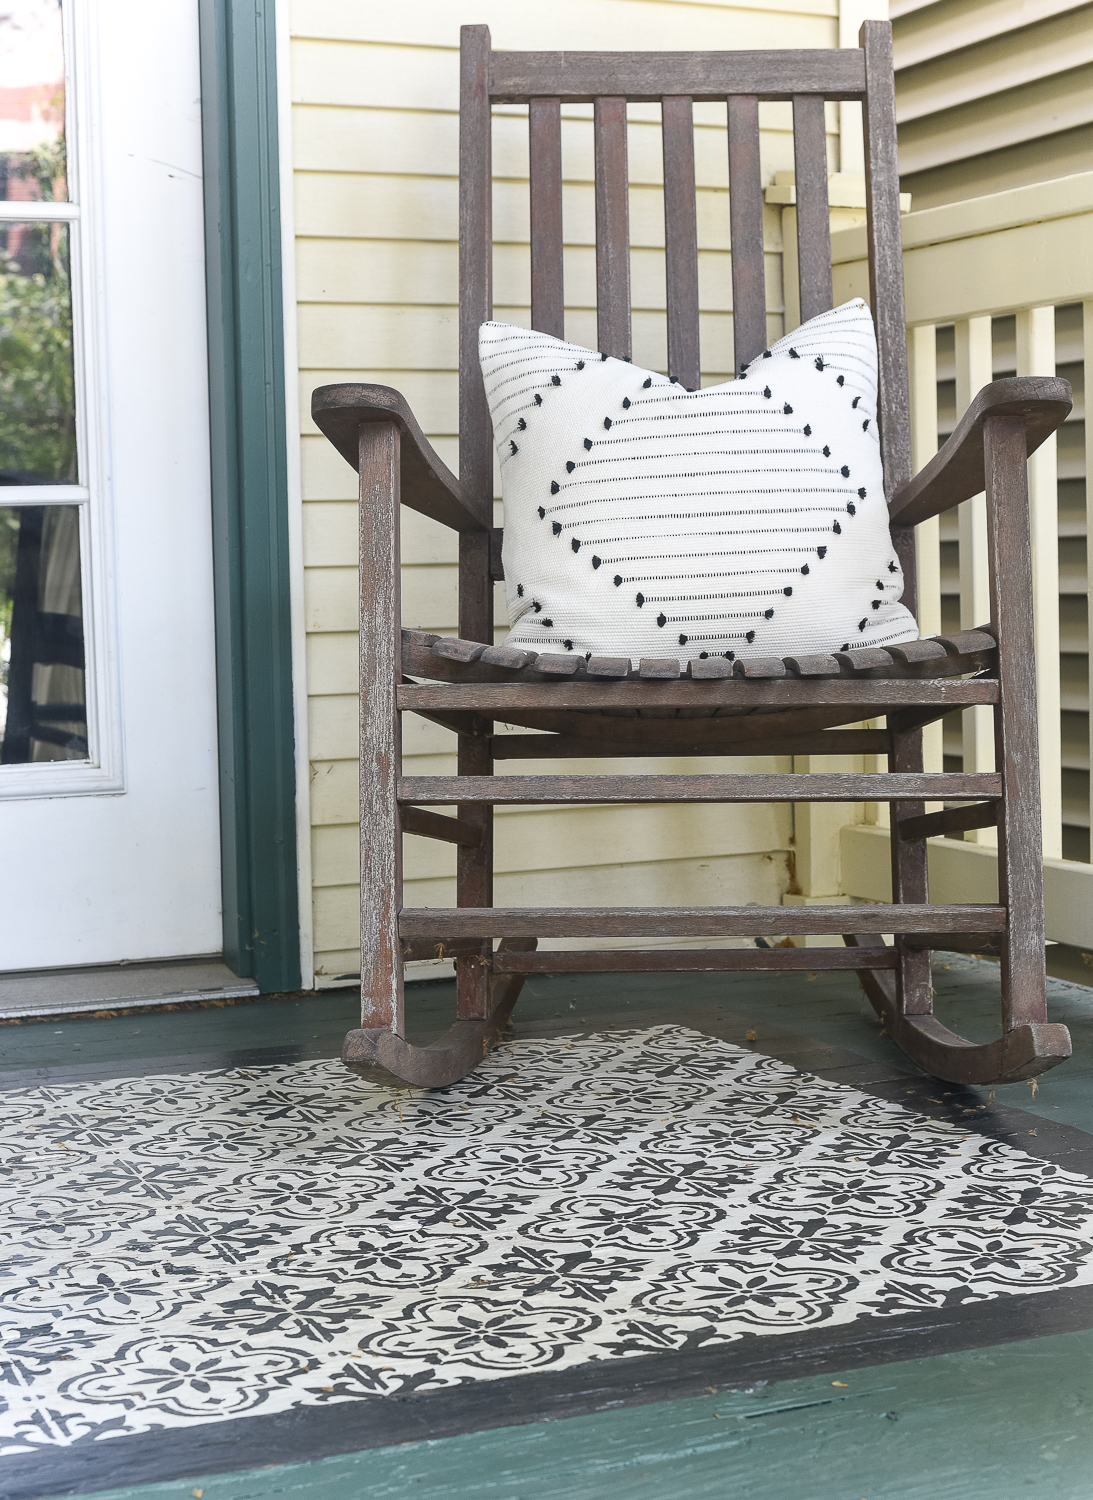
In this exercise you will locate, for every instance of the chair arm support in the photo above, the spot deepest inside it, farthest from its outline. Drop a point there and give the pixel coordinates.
(955, 473)
(428, 485)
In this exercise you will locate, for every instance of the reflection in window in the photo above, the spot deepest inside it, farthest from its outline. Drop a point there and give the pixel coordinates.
(37, 392)
(32, 102)
(43, 700)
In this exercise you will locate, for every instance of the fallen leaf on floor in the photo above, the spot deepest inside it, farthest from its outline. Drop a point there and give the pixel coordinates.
(844, 1383)
(749, 1036)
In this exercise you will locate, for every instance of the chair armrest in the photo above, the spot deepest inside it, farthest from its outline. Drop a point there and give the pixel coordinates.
(955, 473)
(428, 485)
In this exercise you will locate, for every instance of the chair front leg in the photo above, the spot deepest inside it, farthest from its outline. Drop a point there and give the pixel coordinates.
(382, 1003)
(1020, 859)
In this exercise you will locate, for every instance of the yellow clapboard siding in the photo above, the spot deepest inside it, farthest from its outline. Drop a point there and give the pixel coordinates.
(940, 30)
(376, 211)
(993, 67)
(379, 271)
(587, 25)
(417, 143)
(431, 334)
(533, 837)
(728, 880)
(364, 206)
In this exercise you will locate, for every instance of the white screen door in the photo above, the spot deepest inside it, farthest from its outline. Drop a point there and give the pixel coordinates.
(108, 763)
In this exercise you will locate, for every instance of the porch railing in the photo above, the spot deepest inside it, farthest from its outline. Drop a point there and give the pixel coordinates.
(997, 286)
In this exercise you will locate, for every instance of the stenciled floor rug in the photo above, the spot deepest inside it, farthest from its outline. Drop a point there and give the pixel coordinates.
(182, 1249)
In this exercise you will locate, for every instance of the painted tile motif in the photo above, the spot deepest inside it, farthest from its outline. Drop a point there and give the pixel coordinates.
(188, 1248)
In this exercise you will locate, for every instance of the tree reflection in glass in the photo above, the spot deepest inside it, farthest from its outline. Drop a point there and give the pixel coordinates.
(32, 102)
(37, 391)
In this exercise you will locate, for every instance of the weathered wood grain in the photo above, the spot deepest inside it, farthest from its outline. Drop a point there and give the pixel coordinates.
(813, 219)
(816, 786)
(956, 472)
(749, 282)
(547, 287)
(871, 696)
(681, 240)
(582, 77)
(949, 820)
(380, 728)
(612, 228)
(431, 825)
(695, 921)
(475, 267)
(427, 484)
(1020, 865)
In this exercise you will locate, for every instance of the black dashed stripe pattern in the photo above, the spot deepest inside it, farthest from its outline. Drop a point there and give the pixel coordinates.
(636, 509)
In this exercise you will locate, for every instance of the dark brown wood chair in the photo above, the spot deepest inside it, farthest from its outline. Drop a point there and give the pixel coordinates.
(601, 707)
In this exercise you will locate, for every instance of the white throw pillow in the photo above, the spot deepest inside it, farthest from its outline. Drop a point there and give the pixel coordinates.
(745, 519)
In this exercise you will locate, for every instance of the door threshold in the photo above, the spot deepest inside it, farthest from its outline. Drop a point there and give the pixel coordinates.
(29, 993)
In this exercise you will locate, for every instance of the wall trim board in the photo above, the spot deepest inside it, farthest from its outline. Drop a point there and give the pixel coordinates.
(251, 551)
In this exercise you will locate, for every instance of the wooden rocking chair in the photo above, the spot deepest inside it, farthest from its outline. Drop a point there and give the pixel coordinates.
(601, 707)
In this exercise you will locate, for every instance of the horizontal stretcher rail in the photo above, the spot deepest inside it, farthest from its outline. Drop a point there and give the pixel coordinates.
(692, 960)
(444, 922)
(867, 696)
(842, 786)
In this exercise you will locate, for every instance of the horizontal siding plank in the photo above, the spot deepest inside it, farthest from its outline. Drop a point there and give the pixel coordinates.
(595, 22)
(727, 879)
(1012, 119)
(392, 271)
(414, 143)
(994, 67)
(431, 334)
(429, 598)
(346, 205)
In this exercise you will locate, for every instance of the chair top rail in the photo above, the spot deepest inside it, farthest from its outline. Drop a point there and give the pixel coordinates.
(647, 77)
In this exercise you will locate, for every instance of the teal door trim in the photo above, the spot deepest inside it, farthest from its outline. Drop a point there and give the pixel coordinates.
(249, 491)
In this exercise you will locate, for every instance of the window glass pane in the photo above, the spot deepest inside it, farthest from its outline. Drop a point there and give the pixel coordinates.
(32, 102)
(43, 699)
(37, 397)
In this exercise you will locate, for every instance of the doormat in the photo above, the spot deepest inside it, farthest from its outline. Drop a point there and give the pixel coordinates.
(190, 1248)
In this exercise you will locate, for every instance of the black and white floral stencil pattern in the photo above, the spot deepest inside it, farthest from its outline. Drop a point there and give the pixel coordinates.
(184, 1249)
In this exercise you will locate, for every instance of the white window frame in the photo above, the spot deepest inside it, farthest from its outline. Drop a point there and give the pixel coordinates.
(103, 771)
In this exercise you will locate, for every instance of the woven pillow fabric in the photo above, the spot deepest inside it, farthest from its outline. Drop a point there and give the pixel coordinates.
(745, 519)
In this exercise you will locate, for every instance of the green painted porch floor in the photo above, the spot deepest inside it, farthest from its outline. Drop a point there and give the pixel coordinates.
(1001, 1421)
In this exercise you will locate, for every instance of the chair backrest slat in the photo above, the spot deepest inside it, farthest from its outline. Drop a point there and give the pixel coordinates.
(612, 228)
(547, 294)
(475, 266)
(676, 80)
(813, 223)
(886, 254)
(681, 240)
(749, 297)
